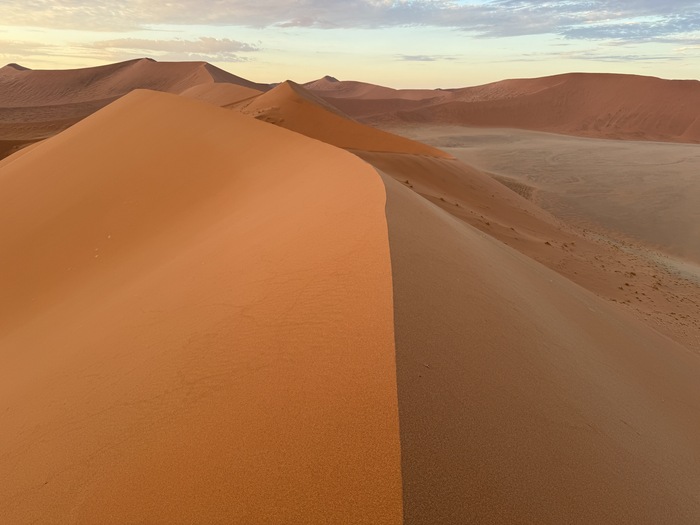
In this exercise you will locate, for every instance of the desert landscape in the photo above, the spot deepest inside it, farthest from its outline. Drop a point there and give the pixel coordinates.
(227, 301)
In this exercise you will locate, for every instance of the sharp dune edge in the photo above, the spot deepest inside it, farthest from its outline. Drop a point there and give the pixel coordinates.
(178, 371)
(210, 318)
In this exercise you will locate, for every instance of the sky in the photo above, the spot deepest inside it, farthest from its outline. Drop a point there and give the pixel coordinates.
(398, 43)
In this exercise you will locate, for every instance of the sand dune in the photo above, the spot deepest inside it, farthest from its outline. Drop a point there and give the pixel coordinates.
(657, 295)
(292, 107)
(593, 105)
(220, 94)
(38, 104)
(28, 88)
(331, 87)
(210, 318)
(522, 397)
(158, 362)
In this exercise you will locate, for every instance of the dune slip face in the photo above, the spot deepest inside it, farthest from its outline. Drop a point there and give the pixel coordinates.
(524, 398)
(197, 325)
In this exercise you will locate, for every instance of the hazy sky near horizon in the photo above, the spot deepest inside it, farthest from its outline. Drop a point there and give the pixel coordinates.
(400, 43)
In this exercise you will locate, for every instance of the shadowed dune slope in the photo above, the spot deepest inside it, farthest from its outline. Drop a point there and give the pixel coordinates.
(524, 398)
(179, 327)
(292, 107)
(654, 294)
(593, 105)
(479, 200)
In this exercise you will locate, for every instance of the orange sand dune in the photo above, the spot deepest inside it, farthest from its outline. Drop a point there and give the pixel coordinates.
(657, 296)
(653, 293)
(220, 94)
(593, 105)
(38, 104)
(523, 398)
(196, 325)
(210, 318)
(292, 107)
(28, 88)
(331, 87)
(368, 101)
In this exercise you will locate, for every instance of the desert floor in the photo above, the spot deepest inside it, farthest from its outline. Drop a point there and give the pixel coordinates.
(647, 192)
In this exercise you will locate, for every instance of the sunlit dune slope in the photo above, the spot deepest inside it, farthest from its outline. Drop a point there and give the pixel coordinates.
(209, 318)
(38, 104)
(196, 325)
(220, 94)
(292, 107)
(655, 295)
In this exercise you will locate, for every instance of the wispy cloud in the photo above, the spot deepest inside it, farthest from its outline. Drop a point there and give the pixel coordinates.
(424, 58)
(596, 56)
(643, 20)
(204, 48)
(22, 48)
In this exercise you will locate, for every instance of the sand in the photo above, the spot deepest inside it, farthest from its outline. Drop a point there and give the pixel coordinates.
(159, 363)
(523, 398)
(645, 191)
(38, 104)
(215, 314)
(291, 106)
(220, 94)
(586, 104)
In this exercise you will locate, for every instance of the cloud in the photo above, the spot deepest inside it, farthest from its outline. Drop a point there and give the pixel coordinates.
(424, 58)
(642, 20)
(596, 56)
(204, 49)
(15, 48)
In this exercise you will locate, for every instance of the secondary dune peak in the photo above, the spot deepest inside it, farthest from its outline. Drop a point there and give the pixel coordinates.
(15, 66)
(291, 106)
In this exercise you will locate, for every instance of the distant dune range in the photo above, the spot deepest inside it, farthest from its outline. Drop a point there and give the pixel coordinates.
(267, 312)
(38, 104)
(590, 105)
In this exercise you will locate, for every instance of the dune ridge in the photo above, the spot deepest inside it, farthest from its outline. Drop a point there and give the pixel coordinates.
(656, 295)
(158, 363)
(611, 106)
(220, 94)
(217, 314)
(293, 107)
(30, 88)
(36, 104)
